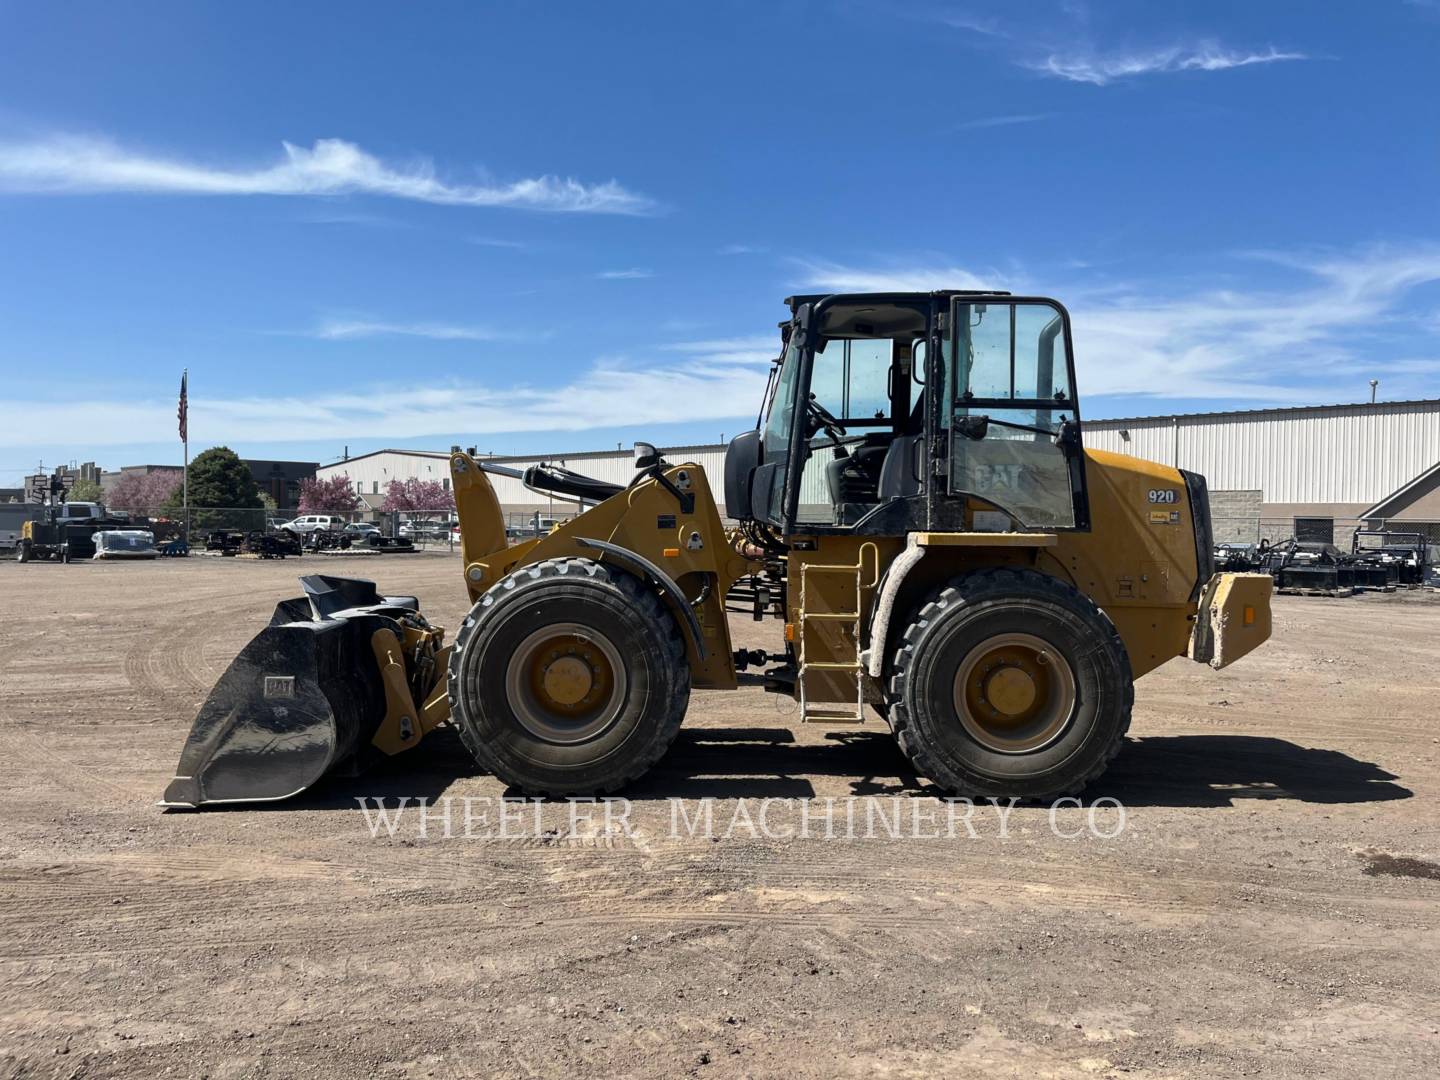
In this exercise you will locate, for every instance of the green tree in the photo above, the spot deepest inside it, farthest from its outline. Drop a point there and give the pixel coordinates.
(86, 491)
(219, 480)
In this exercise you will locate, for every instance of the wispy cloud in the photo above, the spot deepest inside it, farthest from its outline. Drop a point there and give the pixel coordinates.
(340, 217)
(1313, 338)
(632, 274)
(710, 384)
(819, 274)
(352, 329)
(740, 249)
(1103, 69)
(490, 241)
(1309, 341)
(741, 350)
(979, 24)
(1003, 121)
(80, 165)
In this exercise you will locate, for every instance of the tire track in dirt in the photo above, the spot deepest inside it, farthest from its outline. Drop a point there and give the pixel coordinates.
(22, 748)
(162, 665)
(158, 668)
(443, 923)
(199, 885)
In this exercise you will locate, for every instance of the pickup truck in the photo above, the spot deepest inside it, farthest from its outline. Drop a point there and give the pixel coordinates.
(427, 528)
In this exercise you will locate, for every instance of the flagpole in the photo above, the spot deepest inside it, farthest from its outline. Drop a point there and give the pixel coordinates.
(185, 497)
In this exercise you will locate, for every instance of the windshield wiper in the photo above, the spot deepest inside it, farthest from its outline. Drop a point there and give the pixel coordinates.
(975, 427)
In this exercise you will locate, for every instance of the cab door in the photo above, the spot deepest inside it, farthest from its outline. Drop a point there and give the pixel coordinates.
(1011, 420)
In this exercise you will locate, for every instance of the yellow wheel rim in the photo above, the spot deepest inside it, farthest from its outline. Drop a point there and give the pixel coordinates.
(566, 683)
(1014, 693)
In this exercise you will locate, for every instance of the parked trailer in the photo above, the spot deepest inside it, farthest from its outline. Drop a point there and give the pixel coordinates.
(1391, 558)
(68, 532)
(65, 541)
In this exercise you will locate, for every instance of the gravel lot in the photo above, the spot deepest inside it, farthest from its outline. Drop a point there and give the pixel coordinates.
(1270, 908)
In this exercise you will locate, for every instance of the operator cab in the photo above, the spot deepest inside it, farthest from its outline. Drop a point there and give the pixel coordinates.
(871, 426)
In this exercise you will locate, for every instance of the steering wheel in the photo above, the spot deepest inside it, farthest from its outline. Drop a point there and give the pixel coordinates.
(824, 419)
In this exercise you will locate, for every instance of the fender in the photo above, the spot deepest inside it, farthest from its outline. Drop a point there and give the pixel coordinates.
(874, 655)
(872, 658)
(646, 569)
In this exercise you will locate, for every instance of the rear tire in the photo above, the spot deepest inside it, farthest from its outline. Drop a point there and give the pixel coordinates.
(568, 678)
(1010, 683)
(22, 551)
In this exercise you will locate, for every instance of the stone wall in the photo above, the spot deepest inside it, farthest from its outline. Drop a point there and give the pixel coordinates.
(1235, 516)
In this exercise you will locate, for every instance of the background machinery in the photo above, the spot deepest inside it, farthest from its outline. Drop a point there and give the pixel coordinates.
(915, 502)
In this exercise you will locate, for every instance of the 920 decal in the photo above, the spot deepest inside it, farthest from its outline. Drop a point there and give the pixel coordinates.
(1163, 495)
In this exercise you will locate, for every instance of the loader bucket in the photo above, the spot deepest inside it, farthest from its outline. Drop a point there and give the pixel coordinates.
(303, 699)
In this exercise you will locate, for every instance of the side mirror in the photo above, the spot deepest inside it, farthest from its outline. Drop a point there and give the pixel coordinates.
(646, 456)
(1067, 436)
(742, 458)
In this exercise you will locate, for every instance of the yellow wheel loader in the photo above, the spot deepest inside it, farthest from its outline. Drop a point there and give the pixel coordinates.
(915, 505)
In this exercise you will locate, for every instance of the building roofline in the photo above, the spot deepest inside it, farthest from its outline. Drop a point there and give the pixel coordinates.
(1400, 492)
(1378, 406)
(388, 450)
(596, 453)
(524, 457)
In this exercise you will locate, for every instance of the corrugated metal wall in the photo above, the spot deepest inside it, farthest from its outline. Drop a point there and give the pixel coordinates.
(1336, 454)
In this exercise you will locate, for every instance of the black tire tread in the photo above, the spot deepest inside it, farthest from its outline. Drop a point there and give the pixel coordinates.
(647, 606)
(991, 583)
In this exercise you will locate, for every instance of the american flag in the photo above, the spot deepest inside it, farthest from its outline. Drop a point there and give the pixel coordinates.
(183, 411)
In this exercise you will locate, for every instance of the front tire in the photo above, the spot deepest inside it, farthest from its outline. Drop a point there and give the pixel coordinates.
(1010, 683)
(568, 678)
(22, 551)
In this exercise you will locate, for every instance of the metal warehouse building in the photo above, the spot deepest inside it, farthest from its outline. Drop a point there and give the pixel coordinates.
(1316, 471)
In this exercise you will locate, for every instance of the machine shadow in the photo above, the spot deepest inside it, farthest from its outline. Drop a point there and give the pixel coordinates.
(768, 762)
(1174, 770)
(1218, 770)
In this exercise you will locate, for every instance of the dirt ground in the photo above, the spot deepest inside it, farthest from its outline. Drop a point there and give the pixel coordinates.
(1270, 908)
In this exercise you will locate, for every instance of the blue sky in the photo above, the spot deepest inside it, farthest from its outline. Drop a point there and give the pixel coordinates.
(563, 226)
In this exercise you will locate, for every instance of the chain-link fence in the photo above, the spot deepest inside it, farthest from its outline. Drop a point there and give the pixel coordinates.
(424, 529)
(525, 525)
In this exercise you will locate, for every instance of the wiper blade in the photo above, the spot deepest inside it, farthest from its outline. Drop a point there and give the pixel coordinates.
(1023, 427)
(975, 427)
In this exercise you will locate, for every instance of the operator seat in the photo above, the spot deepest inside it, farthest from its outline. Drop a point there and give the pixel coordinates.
(854, 477)
(900, 471)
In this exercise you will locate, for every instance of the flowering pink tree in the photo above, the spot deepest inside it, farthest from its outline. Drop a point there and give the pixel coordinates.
(416, 495)
(333, 496)
(145, 491)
